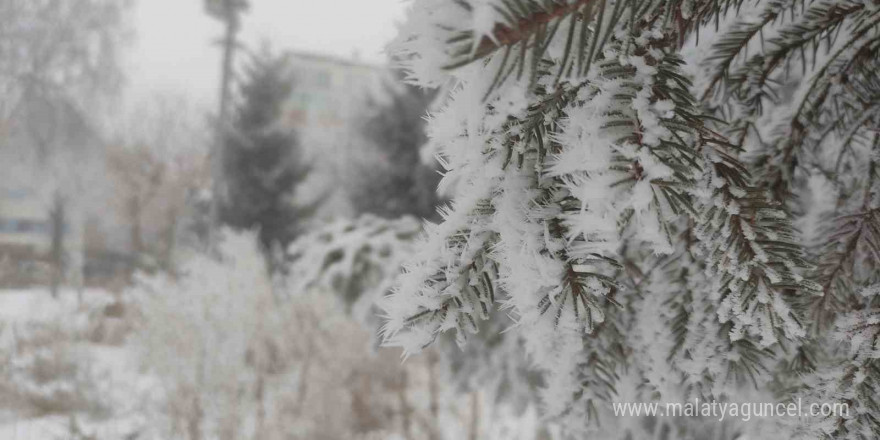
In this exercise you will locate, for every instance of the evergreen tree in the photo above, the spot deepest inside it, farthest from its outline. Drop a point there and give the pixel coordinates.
(400, 183)
(356, 259)
(627, 190)
(263, 160)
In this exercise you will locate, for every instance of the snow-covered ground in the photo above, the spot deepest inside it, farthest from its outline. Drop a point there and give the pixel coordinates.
(52, 350)
(65, 427)
(30, 305)
(73, 367)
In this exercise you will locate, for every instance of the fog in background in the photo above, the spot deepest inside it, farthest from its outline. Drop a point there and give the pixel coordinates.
(174, 265)
(169, 49)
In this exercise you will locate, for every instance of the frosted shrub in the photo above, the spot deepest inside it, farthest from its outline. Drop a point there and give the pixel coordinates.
(47, 365)
(231, 359)
(357, 259)
(198, 334)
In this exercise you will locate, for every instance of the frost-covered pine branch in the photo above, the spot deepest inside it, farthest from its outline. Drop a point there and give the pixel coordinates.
(356, 259)
(598, 170)
(558, 170)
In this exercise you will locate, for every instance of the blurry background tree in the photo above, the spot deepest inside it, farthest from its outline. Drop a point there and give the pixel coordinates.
(59, 64)
(158, 165)
(263, 160)
(61, 50)
(397, 181)
(139, 173)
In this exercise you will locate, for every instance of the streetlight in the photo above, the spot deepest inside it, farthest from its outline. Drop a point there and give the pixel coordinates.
(221, 8)
(228, 12)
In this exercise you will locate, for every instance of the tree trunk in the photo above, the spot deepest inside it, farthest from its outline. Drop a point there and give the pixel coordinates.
(433, 398)
(475, 416)
(303, 388)
(194, 425)
(170, 240)
(432, 384)
(134, 216)
(56, 252)
(405, 410)
(261, 405)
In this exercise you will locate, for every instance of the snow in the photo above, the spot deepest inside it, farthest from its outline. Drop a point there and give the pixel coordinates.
(17, 306)
(603, 232)
(221, 325)
(24, 312)
(53, 427)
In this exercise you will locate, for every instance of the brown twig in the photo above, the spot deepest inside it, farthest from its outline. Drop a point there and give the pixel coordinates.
(505, 35)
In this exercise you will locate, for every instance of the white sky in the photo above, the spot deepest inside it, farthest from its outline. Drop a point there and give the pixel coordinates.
(173, 50)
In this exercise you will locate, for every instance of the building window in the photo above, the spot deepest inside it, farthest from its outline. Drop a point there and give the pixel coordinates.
(18, 193)
(8, 225)
(322, 79)
(24, 226)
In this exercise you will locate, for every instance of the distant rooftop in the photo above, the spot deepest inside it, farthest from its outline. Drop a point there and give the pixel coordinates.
(325, 58)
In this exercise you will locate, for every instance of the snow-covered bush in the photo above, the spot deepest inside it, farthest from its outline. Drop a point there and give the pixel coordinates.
(231, 357)
(46, 362)
(357, 259)
(198, 332)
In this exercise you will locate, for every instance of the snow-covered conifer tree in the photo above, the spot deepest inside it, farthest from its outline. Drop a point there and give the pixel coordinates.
(263, 160)
(626, 179)
(395, 182)
(356, 259)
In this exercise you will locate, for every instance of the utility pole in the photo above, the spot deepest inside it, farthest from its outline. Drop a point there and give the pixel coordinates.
(229, 12)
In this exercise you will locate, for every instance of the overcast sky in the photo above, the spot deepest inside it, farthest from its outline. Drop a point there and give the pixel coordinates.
(173, 50)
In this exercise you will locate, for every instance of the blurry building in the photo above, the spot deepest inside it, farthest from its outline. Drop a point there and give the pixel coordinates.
(24, 222)
(26, 235)
(329, 95)
(328, 90)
